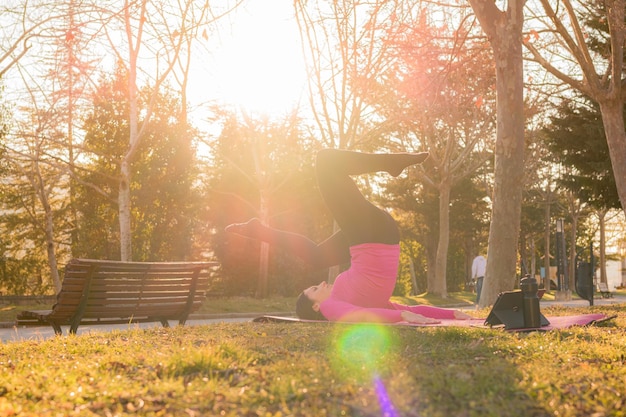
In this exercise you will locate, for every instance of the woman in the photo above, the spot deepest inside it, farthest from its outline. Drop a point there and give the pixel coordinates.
(368, 238)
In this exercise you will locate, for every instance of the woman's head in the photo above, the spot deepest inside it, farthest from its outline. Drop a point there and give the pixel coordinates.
(304, 309)
(308, 303)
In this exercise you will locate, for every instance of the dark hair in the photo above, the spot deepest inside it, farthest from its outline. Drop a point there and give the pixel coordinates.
(304, 309)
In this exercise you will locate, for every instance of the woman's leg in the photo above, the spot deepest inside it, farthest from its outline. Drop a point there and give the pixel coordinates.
(332, 251)
(360, 220)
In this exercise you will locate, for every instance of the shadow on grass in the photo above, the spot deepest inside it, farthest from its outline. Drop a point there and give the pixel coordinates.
(324, 369)
(420, 372)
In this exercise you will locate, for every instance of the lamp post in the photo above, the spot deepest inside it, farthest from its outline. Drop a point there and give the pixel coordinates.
(562, 284)
(559, 255)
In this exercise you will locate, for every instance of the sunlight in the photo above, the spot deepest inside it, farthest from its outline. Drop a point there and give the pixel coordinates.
(260, 68)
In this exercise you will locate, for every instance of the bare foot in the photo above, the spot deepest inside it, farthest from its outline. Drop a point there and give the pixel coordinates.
(252, 228)
(403, 160)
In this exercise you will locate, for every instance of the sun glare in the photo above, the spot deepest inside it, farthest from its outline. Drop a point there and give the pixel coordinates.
(259, 68)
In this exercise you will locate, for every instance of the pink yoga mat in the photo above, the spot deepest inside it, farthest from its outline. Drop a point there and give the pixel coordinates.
(557, 322)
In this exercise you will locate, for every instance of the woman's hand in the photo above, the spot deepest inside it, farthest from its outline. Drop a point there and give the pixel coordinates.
(459, 315)
(417, 318)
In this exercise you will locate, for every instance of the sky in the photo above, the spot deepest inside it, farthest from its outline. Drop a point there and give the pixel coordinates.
(253, 63)
(259, 65)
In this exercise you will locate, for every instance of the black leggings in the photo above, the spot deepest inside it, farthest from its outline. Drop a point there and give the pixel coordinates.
(359, 220)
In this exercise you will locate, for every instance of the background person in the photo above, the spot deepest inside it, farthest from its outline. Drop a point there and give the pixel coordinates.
(479, 265)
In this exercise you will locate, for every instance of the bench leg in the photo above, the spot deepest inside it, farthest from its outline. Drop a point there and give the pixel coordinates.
(165, 323)
(57, 329)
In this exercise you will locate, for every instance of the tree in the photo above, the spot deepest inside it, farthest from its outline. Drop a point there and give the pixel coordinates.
(541, 199)
(415, 207)
(70, 68)
(38, 142)
(165, 198)
(344, 54)
(469, 225)
(436, 96)
(589, 42)
(263, 169)
(504, 31)
(5, 115)
(34, 203)
(576, 137)
(22, 23)
(150, 33)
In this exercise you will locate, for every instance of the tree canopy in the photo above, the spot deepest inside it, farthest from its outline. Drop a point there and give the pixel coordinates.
(576, 137)
(100, 147)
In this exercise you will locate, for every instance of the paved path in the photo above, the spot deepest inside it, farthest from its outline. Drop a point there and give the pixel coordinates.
(616, 299)
(13, 334)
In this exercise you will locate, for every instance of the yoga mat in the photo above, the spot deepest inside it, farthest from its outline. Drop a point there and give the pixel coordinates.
(556, 322)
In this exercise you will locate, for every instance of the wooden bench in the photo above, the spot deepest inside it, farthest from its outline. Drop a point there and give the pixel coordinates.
(603, 289)
(108, 292)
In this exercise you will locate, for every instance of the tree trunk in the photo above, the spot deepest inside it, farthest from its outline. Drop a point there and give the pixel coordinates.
(52, 259)
(124, 212)
(509, 167)
(504, 30)
(431, 262)
(262, 287)
(533, 259)
(124, 202)
(414, 289)
(523, 253)
(572, 254)
(43, 195)
(444, 240)
(613, 121)
(50, 245)
(602, 219)
(546, 241)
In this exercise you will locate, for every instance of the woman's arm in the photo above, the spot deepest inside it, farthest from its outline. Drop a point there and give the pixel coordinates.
(346, 312)
(433, 312)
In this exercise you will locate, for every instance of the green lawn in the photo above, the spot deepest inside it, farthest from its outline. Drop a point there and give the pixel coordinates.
(249, 369)
(8, 313)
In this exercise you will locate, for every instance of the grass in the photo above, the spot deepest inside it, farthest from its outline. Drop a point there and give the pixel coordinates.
(277, 370)
(247, 305)
(8, 313)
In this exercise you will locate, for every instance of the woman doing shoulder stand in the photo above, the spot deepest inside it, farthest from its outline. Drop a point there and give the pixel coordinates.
(368, 238)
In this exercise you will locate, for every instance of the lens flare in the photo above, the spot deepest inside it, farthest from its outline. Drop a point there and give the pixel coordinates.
(362, 352)
(362, 348)
(386, 406)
